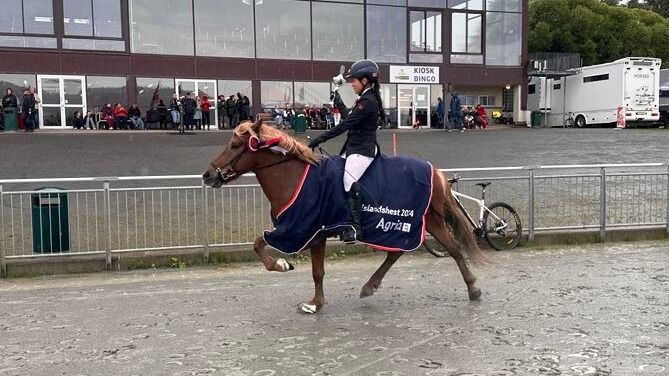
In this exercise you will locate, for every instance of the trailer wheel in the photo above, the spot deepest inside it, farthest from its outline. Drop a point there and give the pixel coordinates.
(580, 121)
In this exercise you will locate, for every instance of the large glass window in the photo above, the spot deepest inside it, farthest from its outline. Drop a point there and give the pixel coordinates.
(466, 4)
(227, 88)
(425, 29)
(101, 90)
(98, 18)
(388, 2)
(504, 5)
(26, 17)
(276, 94)
(386, 42)
(503, 39)
(150, 91)
(224, 28)
(17, 82)
(312, 94)
(161, 27)
(283, 29)
(466, 33)
(428, 3)
(338, 33)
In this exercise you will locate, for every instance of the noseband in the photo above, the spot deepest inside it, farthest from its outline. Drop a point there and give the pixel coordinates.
(253, 145)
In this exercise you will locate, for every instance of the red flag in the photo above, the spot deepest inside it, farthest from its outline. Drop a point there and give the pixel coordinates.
(156, 96)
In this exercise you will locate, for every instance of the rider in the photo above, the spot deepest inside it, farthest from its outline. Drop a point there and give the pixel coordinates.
(360, 147)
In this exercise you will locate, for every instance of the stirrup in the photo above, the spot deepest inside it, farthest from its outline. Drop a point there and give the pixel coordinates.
(350, 236)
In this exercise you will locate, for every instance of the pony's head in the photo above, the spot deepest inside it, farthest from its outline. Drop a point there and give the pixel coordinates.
(248, 150)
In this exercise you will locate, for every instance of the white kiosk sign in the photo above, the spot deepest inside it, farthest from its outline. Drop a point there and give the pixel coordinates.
(403, 74)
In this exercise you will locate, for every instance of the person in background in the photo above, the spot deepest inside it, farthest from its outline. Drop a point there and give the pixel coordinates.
(108, 116)
(246, 104)
(175, 111)
(38, 100)
(289, 116)
(189, 106)
(455, 113)
(481, 116)
(439, 112)
(90, 121)
(233, 113)
(9, 100)
(222, 112)
(28, 110)
(277, 117)
(78, 121)
(162, 114)
(197, 116)
(135, 117)
(206, 108)
(120, 116)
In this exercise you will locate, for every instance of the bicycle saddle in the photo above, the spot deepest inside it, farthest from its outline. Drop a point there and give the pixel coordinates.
(483, 185)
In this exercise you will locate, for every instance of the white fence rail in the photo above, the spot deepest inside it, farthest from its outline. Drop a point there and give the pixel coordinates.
(108, 215)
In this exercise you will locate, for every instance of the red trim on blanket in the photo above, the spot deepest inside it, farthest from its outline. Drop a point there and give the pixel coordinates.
(296, 193)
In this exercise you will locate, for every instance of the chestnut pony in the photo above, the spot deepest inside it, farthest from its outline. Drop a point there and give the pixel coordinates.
(279, 172)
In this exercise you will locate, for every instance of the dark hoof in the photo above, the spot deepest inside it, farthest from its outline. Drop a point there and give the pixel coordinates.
(367, 291)
(475, 294)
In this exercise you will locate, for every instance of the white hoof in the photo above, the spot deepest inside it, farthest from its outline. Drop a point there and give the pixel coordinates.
(283, 265)
(309, 308)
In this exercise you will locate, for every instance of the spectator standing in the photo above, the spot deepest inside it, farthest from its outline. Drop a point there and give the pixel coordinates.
(289, 116)
(28, 110)
(108, 116)
(222, 112)
(246, 103)
(9, 100)
(206, 112)
(38, 100)
(439, 112)
(162, 114)
(175, 111)
(233, 113)
(197, 116)
(241, 116)
(90, 121)
(455, 113)
(135, 117)
(120, 116)
(189, 107)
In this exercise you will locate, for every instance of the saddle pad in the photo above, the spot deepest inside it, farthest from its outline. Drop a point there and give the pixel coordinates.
(395, 194)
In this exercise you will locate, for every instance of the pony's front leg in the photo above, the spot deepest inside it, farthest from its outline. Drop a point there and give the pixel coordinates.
(280, 265)
(317, 271)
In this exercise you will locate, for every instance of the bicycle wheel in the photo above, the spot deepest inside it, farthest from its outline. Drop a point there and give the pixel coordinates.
(434, 247)
(502, 230)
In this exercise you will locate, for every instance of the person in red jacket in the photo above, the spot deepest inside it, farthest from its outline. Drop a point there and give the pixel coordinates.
(120, 116)
(482, 116)
(205, 106)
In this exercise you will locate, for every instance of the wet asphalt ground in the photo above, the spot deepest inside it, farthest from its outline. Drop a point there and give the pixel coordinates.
(139, 153)
(580, 310)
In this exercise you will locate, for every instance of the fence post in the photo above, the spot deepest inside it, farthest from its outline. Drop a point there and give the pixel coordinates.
(107, 222)
(530, 209)
(205, 223)
(667, 230)
(3, 265)
(602, 205)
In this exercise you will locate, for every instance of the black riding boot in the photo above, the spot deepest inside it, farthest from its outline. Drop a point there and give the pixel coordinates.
(352, 234)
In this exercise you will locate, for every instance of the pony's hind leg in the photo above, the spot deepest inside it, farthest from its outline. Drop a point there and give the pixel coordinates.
(318, 272)
(375, 281)
(280, 265)
(437, 227)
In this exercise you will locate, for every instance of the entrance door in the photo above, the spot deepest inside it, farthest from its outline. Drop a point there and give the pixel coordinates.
(413, 106)
(61, 97)
(201, 88)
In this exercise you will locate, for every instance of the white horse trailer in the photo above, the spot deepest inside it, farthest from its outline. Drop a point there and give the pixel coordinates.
(593, 94)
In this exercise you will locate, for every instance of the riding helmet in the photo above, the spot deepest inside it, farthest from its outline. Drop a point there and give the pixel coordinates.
(363, 68)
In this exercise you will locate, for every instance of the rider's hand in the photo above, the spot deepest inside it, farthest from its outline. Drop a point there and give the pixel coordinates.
(313, 144)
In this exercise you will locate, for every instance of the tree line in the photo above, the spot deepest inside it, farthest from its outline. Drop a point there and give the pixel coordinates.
(601, 31)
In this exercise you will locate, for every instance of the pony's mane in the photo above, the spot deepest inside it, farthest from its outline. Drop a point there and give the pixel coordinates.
(293, 146)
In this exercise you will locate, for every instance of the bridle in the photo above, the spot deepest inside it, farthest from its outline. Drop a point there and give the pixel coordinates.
(253, 144)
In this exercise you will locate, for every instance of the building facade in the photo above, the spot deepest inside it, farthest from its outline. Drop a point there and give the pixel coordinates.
(81, 54)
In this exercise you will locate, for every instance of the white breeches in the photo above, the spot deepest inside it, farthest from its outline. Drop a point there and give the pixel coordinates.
(356, 165)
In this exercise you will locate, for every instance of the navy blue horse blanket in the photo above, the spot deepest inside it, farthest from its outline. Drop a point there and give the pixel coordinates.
(395, 193)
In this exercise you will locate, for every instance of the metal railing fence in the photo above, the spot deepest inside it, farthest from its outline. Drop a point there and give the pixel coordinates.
(112, 215)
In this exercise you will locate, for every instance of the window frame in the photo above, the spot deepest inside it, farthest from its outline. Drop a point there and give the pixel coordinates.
(93, 36)
(409, 35)
(483, 24)
(23, 24)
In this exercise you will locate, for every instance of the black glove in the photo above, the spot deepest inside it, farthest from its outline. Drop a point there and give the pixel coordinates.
(313, 144)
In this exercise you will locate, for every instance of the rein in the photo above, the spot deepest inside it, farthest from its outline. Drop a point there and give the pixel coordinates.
(230, 172)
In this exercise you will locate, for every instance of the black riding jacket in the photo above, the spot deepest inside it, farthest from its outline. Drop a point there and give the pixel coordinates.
(361, 124)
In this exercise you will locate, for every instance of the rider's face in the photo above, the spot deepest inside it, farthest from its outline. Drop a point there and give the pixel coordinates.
(357, 85)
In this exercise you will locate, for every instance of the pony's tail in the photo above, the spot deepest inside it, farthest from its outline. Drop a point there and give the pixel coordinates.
(460, 226)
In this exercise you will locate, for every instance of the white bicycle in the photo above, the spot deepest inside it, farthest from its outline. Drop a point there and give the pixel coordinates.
(498, 223)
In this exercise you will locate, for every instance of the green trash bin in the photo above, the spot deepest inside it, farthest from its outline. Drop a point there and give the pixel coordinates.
(536, 118)
(50, 221)
(11, 121)
(300, 124)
